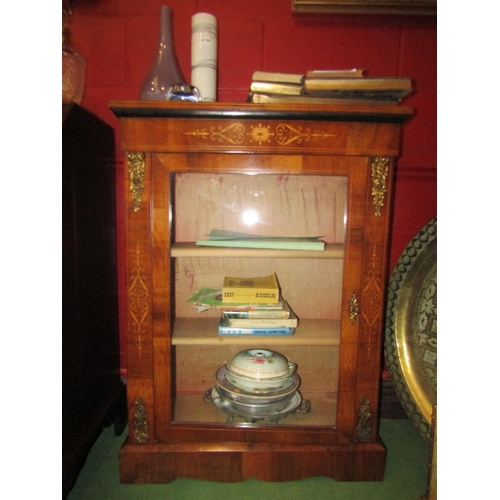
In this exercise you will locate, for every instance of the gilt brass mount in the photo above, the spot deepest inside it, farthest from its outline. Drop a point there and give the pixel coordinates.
(136, 171)
(380, 171)
(364, 425)
(141, 429)
(353, 308)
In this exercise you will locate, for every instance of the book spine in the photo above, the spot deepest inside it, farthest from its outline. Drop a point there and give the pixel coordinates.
(270, 314)
(224, 330)
(262, 322)
(249, 306)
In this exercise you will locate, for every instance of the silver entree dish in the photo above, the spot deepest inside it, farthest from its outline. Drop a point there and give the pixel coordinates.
(239, 396)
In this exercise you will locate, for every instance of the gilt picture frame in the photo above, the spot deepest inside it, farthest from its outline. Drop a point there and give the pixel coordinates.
(410, 7)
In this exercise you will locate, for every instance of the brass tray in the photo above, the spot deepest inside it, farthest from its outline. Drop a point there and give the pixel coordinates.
(411, 328)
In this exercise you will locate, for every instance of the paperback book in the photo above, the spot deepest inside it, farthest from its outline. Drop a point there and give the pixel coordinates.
(269, 314)
(260, 290)
(265, 319)
(211, 298)
(276, 331)
(236, 239)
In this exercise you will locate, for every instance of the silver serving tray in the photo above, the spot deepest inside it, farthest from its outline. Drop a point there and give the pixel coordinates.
(252, 413)
(411, 328)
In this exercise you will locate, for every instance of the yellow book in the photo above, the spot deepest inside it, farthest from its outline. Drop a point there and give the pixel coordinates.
(263, 290)
(276, 88)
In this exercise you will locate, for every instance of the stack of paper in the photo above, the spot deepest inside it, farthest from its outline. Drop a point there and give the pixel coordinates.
(222, 238)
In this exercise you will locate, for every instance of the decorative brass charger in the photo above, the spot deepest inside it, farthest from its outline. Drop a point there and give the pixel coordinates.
(411, 328)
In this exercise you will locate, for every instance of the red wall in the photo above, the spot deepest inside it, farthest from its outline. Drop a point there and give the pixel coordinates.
(119, 39)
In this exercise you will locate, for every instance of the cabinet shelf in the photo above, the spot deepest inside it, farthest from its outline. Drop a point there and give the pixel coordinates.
(203, 331)
(331, 251)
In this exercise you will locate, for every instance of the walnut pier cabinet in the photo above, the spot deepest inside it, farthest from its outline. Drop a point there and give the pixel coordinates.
(273, 170)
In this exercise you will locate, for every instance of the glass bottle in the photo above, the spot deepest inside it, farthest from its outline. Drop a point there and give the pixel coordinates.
(165, 71)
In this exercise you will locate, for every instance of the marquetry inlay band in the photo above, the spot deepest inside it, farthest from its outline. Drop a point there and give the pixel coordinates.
(380, 171)
(282, 134)
(364, 423)
(136, 171)
(141, 428)
(138, 294)
(371, 298)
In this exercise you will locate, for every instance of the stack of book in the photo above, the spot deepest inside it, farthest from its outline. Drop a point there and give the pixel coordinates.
(281, 84)
(255, 321)
(328, 87)
(248, 306)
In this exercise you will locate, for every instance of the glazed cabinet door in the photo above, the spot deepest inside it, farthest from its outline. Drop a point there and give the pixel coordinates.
(175, 351)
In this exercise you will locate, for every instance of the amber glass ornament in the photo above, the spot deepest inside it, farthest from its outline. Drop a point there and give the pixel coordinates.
(73, 64)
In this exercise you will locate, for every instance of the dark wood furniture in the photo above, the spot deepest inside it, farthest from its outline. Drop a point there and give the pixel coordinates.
(303, 169)
(93, 394)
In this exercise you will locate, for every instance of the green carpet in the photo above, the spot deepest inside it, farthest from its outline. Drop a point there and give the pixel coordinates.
(405, 476)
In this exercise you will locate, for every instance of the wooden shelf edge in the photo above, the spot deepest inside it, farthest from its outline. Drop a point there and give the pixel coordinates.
(241, 111)
(203, 331)
(331, 251)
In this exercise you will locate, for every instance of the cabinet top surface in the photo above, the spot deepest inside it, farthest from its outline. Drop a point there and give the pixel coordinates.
(179, 109)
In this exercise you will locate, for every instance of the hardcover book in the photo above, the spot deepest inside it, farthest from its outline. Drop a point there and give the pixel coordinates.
(258, 97)
(389, 89)
(335, 73)
(273, 76)
(276, 88)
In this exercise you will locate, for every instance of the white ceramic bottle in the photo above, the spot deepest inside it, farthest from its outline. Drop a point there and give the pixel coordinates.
(204, 55)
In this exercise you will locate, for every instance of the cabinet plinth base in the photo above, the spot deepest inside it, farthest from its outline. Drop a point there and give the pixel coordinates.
(162, 463)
